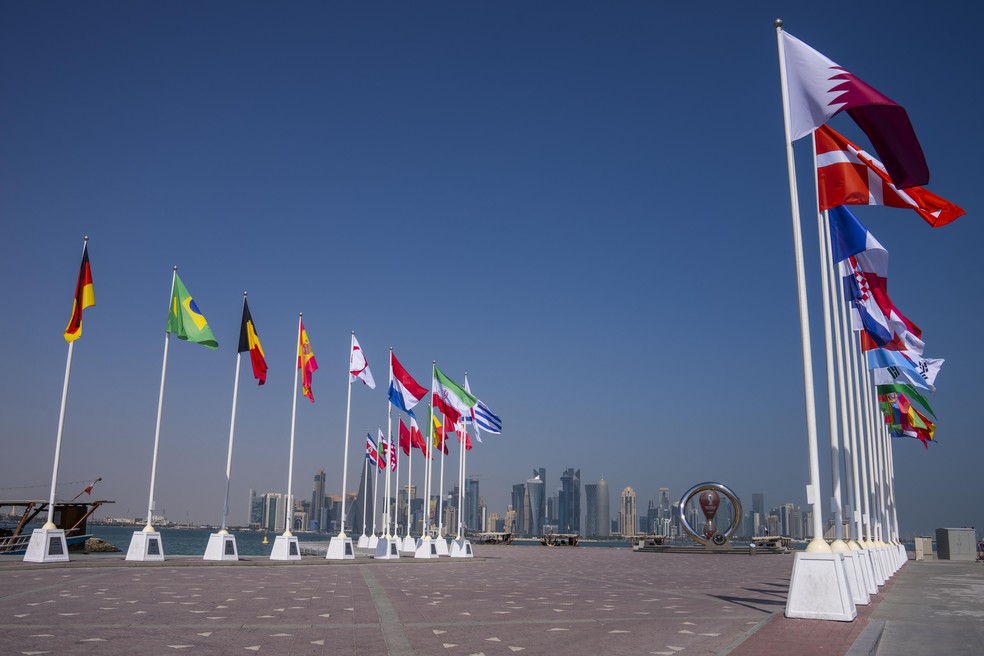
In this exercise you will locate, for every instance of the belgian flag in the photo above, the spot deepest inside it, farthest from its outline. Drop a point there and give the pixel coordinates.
(248, 341)
(84, 297)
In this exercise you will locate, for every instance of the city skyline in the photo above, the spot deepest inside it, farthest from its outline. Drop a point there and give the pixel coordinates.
(551, 197)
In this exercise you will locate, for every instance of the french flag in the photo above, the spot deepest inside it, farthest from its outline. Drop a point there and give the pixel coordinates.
(404, 391)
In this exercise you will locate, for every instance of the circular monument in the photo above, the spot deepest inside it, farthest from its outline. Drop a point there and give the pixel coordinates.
(708, 497)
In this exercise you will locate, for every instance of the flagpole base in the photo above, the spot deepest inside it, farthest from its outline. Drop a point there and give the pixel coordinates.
(221, 546)
(363, 542)
(47, 545)
(340, 549)
(426, 548)
(864, 560)
(855, 578)
(442, 545)
(388, 548)
(461, 549)
(409, 545)
(818, 588)
(145, 546)
(877, 566)
(285, 547)
(372, 541)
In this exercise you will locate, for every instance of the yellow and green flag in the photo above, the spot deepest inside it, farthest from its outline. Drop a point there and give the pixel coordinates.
(185, 319)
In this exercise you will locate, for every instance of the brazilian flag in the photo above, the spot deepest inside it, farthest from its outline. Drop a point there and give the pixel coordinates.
(185, 319)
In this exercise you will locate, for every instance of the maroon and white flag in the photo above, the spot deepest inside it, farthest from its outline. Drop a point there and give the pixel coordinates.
(819, 89)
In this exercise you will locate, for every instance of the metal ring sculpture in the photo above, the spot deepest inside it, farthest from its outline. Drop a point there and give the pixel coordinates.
(714, 489)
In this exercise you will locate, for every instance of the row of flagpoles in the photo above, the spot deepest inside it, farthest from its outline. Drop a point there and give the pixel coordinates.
(186, 321)
(874, 353)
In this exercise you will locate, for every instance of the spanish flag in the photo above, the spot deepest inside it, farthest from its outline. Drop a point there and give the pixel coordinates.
(249, 341)
(305, 362)
(84, 297)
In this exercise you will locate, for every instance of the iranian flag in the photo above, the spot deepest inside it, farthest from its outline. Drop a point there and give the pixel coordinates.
(451, 398)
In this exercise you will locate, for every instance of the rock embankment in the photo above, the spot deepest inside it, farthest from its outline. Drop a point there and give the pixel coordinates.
(95, 545)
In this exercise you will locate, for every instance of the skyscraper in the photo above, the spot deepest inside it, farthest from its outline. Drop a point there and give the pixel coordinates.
(627, 512)
(518, 502)
(318, 502)
(535, 507)
(570, 502)
(590, 509)
(471, 515)
(664, 503)
(758, 503)
(604, 510)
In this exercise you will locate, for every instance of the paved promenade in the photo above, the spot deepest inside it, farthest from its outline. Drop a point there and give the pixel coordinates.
(507, 600)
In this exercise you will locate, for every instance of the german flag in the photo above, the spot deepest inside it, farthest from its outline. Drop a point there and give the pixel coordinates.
(248, 341)
(84, 297)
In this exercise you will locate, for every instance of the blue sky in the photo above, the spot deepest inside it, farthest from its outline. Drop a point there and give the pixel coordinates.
(584, 205)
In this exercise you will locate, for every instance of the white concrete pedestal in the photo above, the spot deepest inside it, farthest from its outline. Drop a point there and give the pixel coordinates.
(877, 566)
(461, 549)
(373, 541)
(855, 578)
(388, 548)
(865, 562)
(340, 548)
(221, 546)
(426, 548)
(409, 545)
(47, 545)
(363, 542)
(285, 547)
(818, 588)
(442, 545)
(145, 546)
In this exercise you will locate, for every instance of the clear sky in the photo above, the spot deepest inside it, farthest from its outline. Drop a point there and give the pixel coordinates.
(582, 204)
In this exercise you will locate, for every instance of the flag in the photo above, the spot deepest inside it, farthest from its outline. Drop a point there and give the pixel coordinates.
(404, 391)
(416, 439)
(372, 454)
(358, 366)
(439, 442)
(383, 448)
(863, 264)
(392, 453)
(846, 175)
(819, 89)
(305, 362)
(185, 320)
(901, 375)
(482, 417)
(468, 444)
(250, 341)
(911, 392)
(84, 297)
(898, 366)
(406, 441)
(450, 398)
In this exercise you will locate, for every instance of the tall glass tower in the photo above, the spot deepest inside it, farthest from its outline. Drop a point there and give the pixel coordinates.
(604, 510)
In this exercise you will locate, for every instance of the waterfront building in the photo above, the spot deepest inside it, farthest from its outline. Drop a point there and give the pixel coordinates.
(534, 508)
(758, 503)
(318, 502)
(627, 512)
(363, 500)
(518, 506)
(472, 514)
(569, 505)
(604, 509)
(255, 510)
(590, 510)
(664, 503)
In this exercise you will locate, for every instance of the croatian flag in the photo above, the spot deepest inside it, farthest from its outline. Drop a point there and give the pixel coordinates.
(404, 391)
(863, 263)
(819, 88)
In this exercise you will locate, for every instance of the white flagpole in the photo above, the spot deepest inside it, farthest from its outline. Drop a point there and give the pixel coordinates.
(428, 470)
(828, 326)
(232, 431)
(817, 545)
(149, 528)
(375, 481)
(389, 456)
(846, 410)
(462, 443)
(863, 445)
(293, 421)
(440, 489)
(409, 479)
(396, 482)
(348, 415)
(50, 524)
(365, 495)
